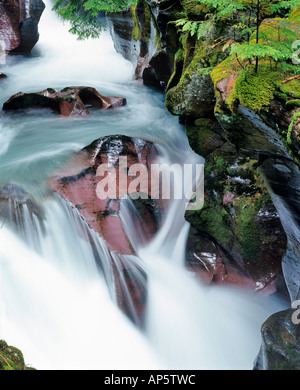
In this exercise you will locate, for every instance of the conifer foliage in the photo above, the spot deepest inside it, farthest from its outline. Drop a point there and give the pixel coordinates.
(251, 42)
(85, 15)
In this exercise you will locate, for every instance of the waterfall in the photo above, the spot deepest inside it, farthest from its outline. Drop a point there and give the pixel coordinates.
(61, 289)
(59, 319)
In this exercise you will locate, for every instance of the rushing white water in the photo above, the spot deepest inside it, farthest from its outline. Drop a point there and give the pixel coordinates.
(62, 321)
(57, 300)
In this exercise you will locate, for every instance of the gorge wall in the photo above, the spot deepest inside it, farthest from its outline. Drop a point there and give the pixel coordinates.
(19, 25)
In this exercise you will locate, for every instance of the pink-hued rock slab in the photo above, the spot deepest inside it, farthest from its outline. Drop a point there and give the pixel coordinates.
(71, 101)
(78, 183)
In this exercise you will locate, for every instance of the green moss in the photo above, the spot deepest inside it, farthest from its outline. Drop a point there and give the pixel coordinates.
(220, 164)
(254, 91)
(201, 137)
(11, 358)
(192, 60)
(290, 362)
(136, 32)
(295, 119)
(291, 89)
(141, 28)
(293, 103)
(192, 8)
(225, 69)
(146, 31)
(247, 230)
(213, 221)
(295, 15)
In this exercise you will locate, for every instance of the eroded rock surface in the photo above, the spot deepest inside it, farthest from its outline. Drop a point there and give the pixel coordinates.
(71, 101)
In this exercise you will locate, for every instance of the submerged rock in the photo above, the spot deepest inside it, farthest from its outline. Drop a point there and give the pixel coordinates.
(19, 25)
(130, 287)
(213, 265)
(71, 101)
(19, 210)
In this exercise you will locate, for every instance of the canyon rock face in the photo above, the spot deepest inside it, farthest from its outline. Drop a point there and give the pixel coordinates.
(281, 342)
(259, 135)
(71, 101)
(239, 220)
(144, 36)
(134, 34)
(19, 24)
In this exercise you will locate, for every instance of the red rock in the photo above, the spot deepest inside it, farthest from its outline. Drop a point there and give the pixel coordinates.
(71, 101)
(77, 182)
(212, 266)
(10, 35)
(226, 86)
(18, 25)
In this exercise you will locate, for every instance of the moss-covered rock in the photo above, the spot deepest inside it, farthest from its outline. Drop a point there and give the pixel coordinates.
(193, 95)
(281, 343)
(194, 9)
(238, 214)
(11, 358)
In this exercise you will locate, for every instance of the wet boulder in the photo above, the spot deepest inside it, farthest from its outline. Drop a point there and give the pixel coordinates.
(79, 182)
(71, 101)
